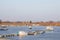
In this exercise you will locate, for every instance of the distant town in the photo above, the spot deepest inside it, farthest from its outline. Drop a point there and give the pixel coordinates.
(29, 23)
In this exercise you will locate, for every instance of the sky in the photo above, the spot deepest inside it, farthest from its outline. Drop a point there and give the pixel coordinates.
(26, 10)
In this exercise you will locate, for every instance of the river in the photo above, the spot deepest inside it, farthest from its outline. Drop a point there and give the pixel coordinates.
(55, 35)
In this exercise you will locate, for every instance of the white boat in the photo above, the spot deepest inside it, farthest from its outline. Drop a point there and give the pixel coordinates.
(49, 28)
(3, 29)
(22, 33)
(30, 27)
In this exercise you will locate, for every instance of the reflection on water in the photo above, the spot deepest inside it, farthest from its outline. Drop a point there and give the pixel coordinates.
(53, 35)
(5, 39)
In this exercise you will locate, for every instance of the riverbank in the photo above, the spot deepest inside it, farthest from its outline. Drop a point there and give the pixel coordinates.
(30, 23)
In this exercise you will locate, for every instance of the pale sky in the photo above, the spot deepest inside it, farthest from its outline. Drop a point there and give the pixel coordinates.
(26, 10)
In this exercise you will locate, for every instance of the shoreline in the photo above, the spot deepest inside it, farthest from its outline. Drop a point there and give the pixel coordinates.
(30, 23)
